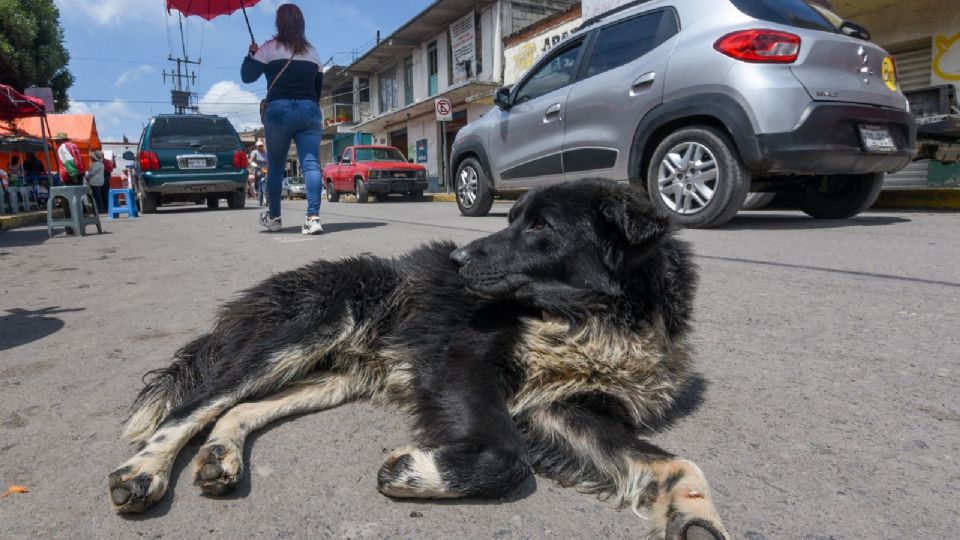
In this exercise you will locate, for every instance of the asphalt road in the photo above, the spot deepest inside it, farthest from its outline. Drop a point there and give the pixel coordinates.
(830, 351)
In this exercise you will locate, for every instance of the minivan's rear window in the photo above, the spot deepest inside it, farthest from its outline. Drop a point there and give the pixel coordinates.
(205, 134)
(796, 13)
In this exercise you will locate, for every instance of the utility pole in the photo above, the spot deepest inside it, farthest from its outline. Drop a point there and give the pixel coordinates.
(181, 97)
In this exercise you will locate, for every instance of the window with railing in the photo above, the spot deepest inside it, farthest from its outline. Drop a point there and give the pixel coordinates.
(388, 90)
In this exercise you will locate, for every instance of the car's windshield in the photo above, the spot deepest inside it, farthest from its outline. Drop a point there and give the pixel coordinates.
(204, 134)
(379, 154)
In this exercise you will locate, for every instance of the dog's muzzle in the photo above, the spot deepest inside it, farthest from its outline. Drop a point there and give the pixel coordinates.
(460, 256)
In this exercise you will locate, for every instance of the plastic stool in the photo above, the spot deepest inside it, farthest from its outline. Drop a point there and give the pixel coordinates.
(73, 198)
(129, 206)
(29, 198)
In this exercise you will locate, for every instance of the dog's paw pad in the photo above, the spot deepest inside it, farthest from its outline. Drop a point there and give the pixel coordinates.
(218, 469)
(134, 492)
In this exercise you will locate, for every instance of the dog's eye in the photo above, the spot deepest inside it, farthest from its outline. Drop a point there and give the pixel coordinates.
(538, 225)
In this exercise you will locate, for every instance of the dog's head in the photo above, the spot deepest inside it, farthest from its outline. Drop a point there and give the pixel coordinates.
(566, 245)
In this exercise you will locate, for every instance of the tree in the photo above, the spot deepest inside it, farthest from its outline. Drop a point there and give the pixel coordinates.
(31, 48)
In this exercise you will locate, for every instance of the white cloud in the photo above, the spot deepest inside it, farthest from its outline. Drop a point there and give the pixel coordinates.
(228, 99)
(114, 118)
(134, 74)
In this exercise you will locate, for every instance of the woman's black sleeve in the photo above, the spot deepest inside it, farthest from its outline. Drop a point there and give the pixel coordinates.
(251, 70)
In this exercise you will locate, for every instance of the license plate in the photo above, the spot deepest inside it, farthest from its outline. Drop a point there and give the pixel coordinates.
(196, 163)
(877, 139)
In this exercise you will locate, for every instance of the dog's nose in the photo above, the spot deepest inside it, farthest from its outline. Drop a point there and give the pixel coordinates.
(460, 256)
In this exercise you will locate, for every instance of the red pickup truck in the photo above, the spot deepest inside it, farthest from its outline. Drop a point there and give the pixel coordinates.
(362, 170)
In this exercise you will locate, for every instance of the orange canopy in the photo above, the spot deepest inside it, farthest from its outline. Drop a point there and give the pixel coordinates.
(80, 128)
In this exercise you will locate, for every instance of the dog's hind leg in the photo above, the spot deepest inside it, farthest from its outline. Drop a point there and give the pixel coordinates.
(219, 463)
(142, 480)
(590, 442)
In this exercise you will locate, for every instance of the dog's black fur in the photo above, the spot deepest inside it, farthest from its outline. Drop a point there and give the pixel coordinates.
(544, 347)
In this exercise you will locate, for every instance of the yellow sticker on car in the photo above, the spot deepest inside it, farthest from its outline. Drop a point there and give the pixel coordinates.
(889, 73)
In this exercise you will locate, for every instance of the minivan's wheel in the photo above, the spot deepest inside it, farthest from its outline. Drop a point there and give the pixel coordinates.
(236, 200)
(696, 176)
(332, 194)
(473, 193)
(841, 196)
(757, 200)
(213, 202)
(361, 191)
(148, 202)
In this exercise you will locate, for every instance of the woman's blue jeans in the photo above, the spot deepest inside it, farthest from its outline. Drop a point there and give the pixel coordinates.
(298, 120)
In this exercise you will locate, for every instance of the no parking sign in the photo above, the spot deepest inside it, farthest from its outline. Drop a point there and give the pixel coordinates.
(444, 109)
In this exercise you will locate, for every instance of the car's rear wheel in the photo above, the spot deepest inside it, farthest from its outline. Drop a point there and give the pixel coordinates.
(332, 194)
(841, 196)
(148, 202)
(696, 176)
(473, 194)
(213, 202)
(360, 189)
(236, 200)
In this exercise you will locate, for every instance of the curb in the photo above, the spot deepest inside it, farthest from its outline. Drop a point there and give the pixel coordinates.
(919, 199)
(23, 219)
(427, 197)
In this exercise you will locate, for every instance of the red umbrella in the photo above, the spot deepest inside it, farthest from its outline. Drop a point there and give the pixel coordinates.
(208, 9)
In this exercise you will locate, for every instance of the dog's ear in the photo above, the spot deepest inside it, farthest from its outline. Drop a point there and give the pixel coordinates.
(633, 216)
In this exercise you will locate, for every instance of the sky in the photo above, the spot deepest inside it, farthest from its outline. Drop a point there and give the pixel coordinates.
(119, 50)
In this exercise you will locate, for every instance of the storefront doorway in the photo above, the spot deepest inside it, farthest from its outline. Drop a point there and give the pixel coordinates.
(398, 139)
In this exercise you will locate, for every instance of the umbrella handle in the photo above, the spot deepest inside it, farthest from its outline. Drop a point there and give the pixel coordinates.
(244, 8)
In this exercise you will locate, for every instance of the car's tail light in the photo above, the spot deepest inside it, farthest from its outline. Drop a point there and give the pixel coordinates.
(239, 159)
(763, 46)
(149, 161)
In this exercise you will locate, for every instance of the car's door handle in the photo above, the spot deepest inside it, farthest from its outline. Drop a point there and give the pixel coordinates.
(643, 83)
(552, 113)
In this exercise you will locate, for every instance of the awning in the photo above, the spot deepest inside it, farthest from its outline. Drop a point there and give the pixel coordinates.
(15, 105)
(458, 95)
(425, 26)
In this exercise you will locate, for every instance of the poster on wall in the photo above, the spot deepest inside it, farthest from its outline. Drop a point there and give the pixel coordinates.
(463, 44)
(946, 59)
(422, 151)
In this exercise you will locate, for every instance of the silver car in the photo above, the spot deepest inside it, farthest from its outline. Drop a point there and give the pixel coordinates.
(699, 102)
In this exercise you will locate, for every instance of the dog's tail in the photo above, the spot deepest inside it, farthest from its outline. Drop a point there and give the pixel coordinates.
(165, 389)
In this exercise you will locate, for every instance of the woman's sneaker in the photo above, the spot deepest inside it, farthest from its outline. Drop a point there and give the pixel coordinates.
(272, 224)
(312, 225)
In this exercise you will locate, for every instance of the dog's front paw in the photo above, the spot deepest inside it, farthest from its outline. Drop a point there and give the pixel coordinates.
(217, 468)
(134, 489)
(411, 472)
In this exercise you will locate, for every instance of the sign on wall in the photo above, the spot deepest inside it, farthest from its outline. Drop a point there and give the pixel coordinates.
(946, 59)
(444, 109)
(422, 151)
(463, 44)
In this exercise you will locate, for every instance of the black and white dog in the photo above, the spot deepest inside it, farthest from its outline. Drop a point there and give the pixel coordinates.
(545, 348)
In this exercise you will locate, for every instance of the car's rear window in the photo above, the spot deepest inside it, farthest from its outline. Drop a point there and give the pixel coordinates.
(797, 13)
(205, 134)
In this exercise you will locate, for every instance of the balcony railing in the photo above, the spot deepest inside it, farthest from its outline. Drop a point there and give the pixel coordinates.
(345, 113)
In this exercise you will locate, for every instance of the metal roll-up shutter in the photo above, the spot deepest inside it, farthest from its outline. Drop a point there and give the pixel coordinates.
(913, 65)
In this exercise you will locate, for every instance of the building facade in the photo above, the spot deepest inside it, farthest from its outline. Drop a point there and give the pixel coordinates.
(453, 49)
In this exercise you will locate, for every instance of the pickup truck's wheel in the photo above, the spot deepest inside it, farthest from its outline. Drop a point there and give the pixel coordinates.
(148, 202)
(361, 191)
(236, 200)
(473, 194)
(841, 196)
(332, 194)
(696, 177)
(213, 202)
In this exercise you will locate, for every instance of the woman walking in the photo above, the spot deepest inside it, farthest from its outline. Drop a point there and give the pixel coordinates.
(294, 75)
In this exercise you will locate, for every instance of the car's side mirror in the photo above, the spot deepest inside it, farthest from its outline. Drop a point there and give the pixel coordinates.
(129, 156)
(853, 29)
(502, 98)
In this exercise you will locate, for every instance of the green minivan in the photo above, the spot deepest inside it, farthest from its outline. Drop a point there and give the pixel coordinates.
(189, 158)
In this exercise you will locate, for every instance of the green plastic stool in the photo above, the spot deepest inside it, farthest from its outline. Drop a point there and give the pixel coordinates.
(75, 219)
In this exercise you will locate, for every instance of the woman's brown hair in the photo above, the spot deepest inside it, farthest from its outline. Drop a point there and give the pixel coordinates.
(291, 28)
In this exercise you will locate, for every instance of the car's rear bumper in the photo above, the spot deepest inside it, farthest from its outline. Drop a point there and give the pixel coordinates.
(395, 186)
(220, 182)
(827, 141)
